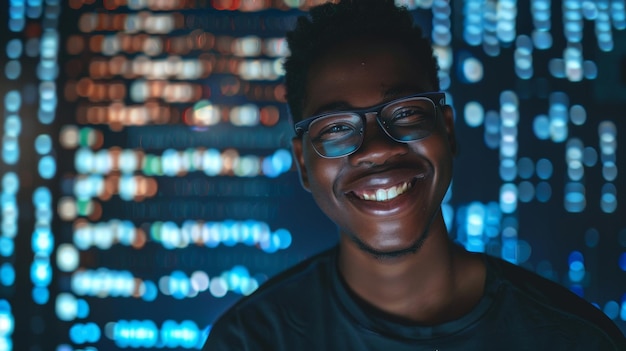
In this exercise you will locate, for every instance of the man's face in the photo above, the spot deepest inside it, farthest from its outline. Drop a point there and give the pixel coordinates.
(363, 74)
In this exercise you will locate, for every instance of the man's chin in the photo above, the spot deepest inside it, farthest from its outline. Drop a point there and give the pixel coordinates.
(393, 253)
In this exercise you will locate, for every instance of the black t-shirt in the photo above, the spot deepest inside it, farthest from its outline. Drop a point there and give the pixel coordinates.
(309, 307)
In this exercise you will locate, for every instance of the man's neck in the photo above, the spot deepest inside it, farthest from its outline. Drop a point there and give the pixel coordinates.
(438, 283)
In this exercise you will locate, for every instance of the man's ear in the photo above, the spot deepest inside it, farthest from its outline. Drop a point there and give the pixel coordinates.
(296, 148)
(448, 120)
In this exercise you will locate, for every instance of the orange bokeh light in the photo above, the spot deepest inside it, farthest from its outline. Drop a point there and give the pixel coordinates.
(229, 5)
(96, 212)
(140, 239)
(269, 115)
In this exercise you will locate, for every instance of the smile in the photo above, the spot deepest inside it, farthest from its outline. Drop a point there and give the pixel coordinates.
(384, 194)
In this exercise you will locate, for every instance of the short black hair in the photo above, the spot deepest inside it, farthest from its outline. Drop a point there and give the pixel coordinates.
(333, 23)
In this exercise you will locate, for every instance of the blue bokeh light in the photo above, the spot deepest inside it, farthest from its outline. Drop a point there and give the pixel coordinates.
(622, 261)
(7, 274)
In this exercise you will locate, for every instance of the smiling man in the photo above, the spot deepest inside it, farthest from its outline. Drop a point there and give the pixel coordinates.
(374, 145)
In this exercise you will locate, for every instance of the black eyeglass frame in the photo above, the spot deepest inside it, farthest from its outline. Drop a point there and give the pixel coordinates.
(437, 97)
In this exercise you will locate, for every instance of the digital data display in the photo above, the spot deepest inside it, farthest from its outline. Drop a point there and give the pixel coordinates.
(147, 181)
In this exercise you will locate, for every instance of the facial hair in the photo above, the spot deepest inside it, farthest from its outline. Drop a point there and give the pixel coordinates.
(394, 254)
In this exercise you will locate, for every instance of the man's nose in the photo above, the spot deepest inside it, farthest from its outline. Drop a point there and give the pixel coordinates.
(377, 147)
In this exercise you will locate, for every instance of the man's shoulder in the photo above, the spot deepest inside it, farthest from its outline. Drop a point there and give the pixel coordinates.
(286, 299)
(553, 299)
(305, 277)
(540, 289)
(293, 285)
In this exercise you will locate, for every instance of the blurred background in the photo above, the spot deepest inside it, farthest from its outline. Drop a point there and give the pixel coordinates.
(147, 183)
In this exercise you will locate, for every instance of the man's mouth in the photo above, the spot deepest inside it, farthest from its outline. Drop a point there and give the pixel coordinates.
(384, 194)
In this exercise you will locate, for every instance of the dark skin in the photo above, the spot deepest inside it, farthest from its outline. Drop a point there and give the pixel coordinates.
(394, 254)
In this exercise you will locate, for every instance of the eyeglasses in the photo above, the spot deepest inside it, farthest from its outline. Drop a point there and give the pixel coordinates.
(338, 134)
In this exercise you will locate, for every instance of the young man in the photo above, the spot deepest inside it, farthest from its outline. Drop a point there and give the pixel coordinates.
(374, 145)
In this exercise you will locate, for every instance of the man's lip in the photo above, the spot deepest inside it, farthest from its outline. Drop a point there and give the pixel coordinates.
(392, 207)
(382, 180)
(385, 193)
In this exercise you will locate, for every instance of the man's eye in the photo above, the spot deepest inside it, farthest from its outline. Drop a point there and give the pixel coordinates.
(409, 116)
(335, 131)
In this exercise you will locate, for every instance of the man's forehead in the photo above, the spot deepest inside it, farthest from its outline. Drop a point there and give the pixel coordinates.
(392, 71)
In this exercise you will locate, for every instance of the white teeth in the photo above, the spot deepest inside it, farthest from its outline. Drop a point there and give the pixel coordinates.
(391, 193)
(381, 195)
(386, 194)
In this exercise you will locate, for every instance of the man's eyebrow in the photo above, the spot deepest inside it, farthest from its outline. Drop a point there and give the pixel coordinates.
(400, 91)
(332, 106)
